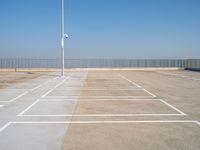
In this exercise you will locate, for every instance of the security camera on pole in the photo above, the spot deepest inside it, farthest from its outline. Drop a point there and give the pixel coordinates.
(63, 36)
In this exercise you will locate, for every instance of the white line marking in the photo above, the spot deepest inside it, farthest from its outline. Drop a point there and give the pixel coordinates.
(105, 89)
(98, 79)
(149, 92)
(91, 100)
(1, 106)
(198, 122)
(101, 115)
(152, 94)
(115, 97)
(20, 114)
(11, 90)
(98, 97)
(54, 87)
(36, 87)
(110, 83)
(62, 97)
(101, 122)
(47, 93)
(173, 107)
(19, 96)
(26, 92)
(129, 81)
(50, 80)
(137, 85)
(47, 82)
(5, 126)
(114, 115)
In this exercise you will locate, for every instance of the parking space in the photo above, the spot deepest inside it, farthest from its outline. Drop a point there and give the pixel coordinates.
(135, 93)
(54, 108)
(102, 109)
(130, 112)
(130, 108)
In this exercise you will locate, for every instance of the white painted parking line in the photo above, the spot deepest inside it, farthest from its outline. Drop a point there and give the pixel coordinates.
(109, 83)
(173, 107)
(152, 95)
(55, 87)
(137, 85)
(105, 89)
(48, 92)
(14, 99)
(89, 78)
(98, 122)
(12, 90)
(47, 81)
(103, 79)
(101, 115)
(149, 92)
(36, 87)
(123, 77)
(1, 106)
(62, 97)
(113, 97)
(23, 94)
(20, 114)
(5, 126)
(99, 97)
(94, 100)
(198, 122)
(180, 113)
(97, 100)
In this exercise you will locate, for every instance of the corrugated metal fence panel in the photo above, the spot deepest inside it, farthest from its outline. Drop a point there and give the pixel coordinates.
(98, 63)
(193, 64)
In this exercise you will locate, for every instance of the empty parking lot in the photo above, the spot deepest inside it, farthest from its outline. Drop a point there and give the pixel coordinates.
(102, 110)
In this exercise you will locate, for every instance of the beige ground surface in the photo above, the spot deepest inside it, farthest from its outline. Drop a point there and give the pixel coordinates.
(11, 78)
(114, 110)
(113, 95)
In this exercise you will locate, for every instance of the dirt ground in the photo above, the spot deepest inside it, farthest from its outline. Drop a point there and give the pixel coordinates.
(11, 78)
(114, 121)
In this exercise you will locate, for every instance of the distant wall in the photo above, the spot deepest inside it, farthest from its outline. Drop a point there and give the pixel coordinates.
(93, 63)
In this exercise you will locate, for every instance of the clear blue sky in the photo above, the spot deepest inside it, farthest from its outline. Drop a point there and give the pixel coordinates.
(101, 28)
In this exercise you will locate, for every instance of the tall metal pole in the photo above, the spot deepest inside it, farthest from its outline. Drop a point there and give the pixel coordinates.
(62, 40)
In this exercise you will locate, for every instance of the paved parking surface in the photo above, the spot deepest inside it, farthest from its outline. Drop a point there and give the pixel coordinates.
(89, 110)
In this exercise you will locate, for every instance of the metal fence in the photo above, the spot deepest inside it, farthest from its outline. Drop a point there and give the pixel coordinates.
(30, 63)
(98, 63)
(193, 64)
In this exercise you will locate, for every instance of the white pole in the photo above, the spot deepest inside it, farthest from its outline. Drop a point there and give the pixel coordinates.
(62, 40)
